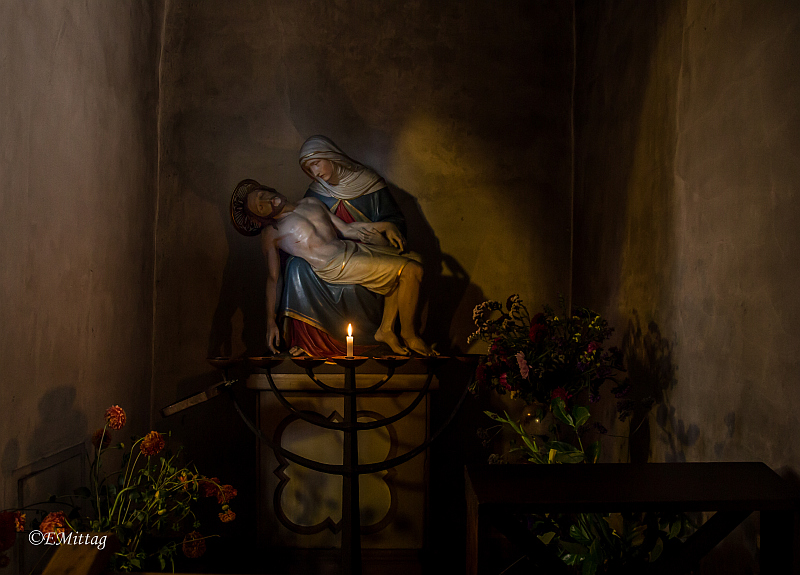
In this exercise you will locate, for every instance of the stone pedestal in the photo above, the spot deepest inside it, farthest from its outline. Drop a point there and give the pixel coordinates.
(301, 508)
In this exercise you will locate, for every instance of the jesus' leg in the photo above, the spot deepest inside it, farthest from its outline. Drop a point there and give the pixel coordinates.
(407, 299)
(385, 332)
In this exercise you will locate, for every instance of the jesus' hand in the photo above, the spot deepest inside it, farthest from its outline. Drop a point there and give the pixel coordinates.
(273, 336)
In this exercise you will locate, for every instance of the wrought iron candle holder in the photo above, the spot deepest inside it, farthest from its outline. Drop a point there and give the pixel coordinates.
(350, 469)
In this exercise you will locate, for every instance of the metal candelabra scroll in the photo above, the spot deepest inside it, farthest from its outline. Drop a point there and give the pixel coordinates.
(350, 470)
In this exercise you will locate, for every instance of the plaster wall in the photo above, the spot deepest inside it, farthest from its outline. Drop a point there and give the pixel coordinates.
(687, 149)
(464, 108)
(78, 93)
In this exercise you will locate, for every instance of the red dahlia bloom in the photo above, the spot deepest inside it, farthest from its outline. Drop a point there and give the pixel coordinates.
(193, 545)
(560, 392)
(226, 493)
(115, 416)
(152, 443)
(55, 522)
(208, 487)
(8, 532)
(19, 521)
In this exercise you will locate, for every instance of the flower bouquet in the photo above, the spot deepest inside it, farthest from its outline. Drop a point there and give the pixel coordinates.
(536, 359)
(556, 364)
(149, 504)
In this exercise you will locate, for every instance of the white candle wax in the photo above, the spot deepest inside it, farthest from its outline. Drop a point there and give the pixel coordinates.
(349, 340)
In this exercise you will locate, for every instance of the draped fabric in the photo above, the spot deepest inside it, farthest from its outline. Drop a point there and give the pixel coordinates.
(352, 178)
(323, 309)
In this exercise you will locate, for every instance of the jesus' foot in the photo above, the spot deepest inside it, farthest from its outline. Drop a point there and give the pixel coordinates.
(415, 343)
(390, 339)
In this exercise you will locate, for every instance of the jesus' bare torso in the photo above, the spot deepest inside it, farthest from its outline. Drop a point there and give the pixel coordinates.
(307, 232)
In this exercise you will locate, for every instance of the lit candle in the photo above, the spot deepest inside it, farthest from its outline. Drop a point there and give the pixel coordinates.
(349, 340)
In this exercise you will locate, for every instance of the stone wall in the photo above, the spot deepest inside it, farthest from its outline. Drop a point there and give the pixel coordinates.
(687, 172)
(464, 108)
(78, 162)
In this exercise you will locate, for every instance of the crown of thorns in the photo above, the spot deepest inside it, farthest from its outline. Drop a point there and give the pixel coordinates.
(242, 220)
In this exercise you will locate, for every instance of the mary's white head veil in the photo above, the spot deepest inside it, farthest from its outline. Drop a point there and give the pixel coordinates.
(353, 179)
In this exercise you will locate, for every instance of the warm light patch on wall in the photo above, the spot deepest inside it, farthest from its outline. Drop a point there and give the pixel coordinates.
(429, 146)
(480, 211)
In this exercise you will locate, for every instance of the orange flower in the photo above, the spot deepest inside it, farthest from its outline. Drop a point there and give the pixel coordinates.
(152, 443)
(19, 521)
(227, 517)
(8, 533)
(55, 522)
(101, 435)
(226, 493)
(115, 416)
(193, 545)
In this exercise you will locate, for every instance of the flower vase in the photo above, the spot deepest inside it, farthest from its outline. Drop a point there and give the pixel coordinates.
(536, 419)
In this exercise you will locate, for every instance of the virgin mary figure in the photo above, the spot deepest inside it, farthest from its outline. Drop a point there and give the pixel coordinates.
(316, 314)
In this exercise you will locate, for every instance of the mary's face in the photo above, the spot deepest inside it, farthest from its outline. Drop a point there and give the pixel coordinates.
(320, 168)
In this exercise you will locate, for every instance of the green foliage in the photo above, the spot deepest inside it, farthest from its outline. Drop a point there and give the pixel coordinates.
(549, 361)
(148, 503)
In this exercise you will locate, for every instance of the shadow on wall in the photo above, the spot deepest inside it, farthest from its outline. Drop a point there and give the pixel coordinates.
(651, 371)
(60, 421)
(245, 275)
(244, 281)
(445, 283)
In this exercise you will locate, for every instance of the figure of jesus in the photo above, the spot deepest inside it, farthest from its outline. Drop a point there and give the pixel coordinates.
(308, 230)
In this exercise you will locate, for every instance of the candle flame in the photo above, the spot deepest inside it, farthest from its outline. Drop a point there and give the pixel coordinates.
(349, 329)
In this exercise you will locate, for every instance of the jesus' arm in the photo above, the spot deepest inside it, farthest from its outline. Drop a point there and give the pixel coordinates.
(370, 232)
(269, 246)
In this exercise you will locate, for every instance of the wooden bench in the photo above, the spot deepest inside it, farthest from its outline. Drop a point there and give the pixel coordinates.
(732, 490)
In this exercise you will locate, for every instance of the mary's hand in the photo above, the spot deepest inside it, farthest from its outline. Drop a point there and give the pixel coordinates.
(395, 237)
(372, 236)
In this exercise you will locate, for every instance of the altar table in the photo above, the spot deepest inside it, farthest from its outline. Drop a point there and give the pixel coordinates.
(732, 490)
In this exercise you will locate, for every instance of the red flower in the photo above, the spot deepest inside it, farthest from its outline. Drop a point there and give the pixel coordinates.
(226, 493)
(227, 517)
(497, 349)
(8, 532)
(55, 522)
(101, 435)
(504, 382)
(194, 545)
(480, 373)
(560, 392)
(537, 332)
(152, 443)
(19, 521)
(209, 487)
(115, 416)
(593, 345)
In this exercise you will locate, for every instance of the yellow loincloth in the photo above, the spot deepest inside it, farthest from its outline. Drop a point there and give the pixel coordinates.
(377, 268)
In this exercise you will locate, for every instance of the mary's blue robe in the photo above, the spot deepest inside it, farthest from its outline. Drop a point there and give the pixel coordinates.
(315, 313)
